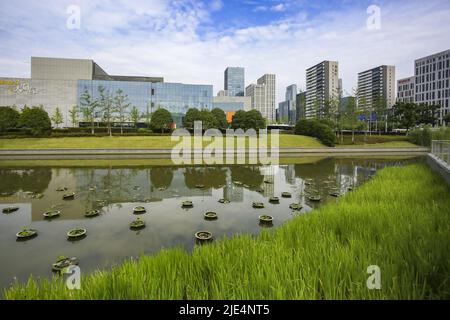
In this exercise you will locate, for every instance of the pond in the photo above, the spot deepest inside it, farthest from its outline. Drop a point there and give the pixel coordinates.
(116, 191)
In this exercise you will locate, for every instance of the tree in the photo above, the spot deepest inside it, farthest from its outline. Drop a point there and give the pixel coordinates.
(447, 119)
(121, 107)
(161, 120)
(207, 119)
(89, 107)
(73, 114)
(135, 115)
(254, 120)
(36, 120)
(57, 117)
(350, 117)
(106, 107)
(428, 114)
(238, 121)
(220, 119)
(9, 117)
(192, 115)
(317, 129)
(409, 115)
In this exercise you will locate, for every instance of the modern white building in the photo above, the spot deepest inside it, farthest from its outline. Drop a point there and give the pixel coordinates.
(432, 77)
(322, 86)
(263, 95)
(376, 86)
(406, 89)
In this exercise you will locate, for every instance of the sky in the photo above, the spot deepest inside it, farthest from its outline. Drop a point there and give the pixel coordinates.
(193, 41)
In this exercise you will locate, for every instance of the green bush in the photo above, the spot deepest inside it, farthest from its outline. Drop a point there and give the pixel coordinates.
(424, 136)
(144, 131)
(316, 129)
(9, 117)
(35, 121)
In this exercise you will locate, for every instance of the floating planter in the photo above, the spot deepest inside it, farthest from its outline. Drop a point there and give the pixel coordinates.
(268, 182)
(61, 189)
(315, 198)
(63, 262)
(286, 195)
(37, 196)
(335, 194)
(76, 233)
(69, 196)
(246, 186)
(92, 213)
(274, 200)
(187, 204)
(6, 194)
(237, 183)
(26, 234)
(137, 224)
(10, 209)
(51, 214)
(296, 206)
(266, 219)
(211, 216)
(203, 236)
(224, 201)
(200, 186)
(139, 210)
(258, 205)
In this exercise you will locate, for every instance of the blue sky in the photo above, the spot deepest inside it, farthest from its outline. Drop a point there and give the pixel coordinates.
(193, 41)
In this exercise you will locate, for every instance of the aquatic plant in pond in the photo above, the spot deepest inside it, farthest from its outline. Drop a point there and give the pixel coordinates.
(63, 262)
(203, 236)
(211, 216)
(139, 210)
(26, 233)
(92, 213)
(76, 233)
(8, 210)
(258, 205)
(137, 224)
(51, 214)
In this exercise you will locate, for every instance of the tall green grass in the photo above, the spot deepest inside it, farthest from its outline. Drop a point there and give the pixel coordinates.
(399, 221)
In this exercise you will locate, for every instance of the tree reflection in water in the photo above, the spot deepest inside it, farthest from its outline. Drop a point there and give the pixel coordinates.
(210, 177)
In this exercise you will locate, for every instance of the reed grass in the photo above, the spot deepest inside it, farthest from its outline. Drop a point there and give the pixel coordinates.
(400, 221)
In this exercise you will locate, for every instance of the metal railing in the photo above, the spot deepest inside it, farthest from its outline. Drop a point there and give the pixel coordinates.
(441, 149)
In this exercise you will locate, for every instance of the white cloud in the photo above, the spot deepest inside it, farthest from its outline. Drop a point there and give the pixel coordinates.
(279, 7)
(161, 38)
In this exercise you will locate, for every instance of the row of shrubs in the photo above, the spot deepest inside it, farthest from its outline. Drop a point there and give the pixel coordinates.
(424, 136)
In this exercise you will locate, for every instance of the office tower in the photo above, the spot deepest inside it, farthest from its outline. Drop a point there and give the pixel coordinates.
(432, 74)
(235, 81)
(405, 89)
(287, 109)
(376, 88)
(322, 86)
(263, 96)
(300, 106)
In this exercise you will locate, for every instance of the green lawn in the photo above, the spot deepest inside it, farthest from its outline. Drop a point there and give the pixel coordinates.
(153, 142)
(399, 221)
(391, 144)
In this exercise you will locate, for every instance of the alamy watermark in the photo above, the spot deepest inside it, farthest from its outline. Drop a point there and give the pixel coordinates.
(73, 280)
(374, 20)
(235, 147)
(74, 17)
(374, 280)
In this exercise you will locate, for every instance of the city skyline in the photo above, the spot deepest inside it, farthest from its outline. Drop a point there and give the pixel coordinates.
(199, 39)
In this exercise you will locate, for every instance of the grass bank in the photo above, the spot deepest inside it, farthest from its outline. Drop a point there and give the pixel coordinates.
(399, 221)
(144, 142)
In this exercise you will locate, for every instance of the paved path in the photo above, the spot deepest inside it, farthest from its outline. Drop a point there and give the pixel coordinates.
(41, 154)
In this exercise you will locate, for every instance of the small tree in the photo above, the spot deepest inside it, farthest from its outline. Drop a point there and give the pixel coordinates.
(135, 115)
(447, 119)
(220, 119)
(106, 107)
(238, 121)
(57, 117)
(161, 120)
(191, 116)
(36, 120)
(73, 114)
(207, 119)
(89, 107)
(9, 117)
(121, 107)
(254, 120)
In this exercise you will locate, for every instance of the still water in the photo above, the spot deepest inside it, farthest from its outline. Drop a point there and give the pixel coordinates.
(161, 190)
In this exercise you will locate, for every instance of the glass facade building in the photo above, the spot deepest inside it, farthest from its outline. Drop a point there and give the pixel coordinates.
(235, 81)
(177, 98)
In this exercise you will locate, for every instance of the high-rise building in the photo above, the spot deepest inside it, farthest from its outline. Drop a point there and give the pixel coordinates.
(322, 86)
(263, 96)
(432, 75)
(287, 109)
(376, 87)
(405, 89)
(300, 106)
(235, 81)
